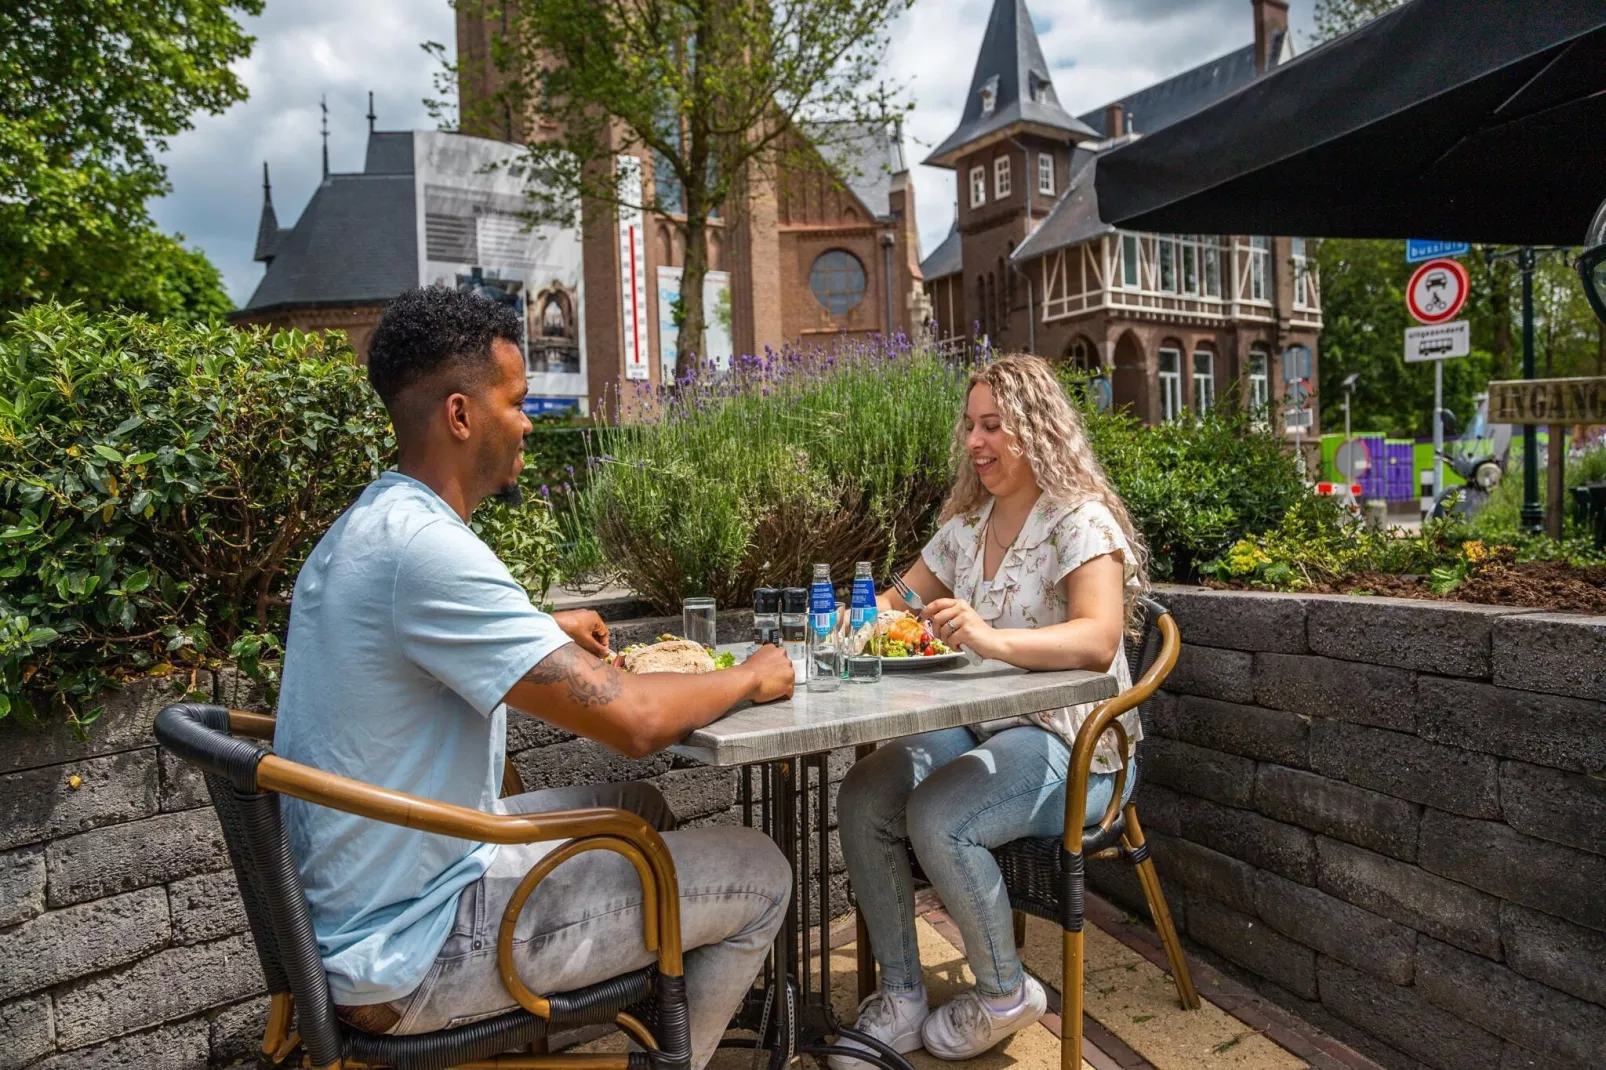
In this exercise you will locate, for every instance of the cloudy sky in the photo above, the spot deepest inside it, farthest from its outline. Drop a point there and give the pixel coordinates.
(1099, 51)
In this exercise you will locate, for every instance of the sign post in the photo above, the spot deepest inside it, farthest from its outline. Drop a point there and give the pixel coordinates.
(1437, 291)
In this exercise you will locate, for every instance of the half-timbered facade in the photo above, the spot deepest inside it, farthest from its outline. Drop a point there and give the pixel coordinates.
(1176, 322)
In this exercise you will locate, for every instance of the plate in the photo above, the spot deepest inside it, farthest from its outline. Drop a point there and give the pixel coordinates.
(934, 661)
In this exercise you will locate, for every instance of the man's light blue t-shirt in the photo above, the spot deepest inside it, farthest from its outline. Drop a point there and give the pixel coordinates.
(405, 633)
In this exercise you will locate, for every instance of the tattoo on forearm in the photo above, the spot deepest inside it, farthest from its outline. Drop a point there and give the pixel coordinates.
(590, 682)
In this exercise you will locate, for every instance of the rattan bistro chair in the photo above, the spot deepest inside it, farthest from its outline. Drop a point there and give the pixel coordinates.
(245, 780)
(1046, 876)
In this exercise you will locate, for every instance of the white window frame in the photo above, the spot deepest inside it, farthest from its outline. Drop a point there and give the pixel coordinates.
(1131, 262)
(1045, 173)
(1170, 384)
(1210, 268)
(1001, 178)
(1259, 368)
(1204, 382)
(1259, 261)
(1301, 276)
(978, 186)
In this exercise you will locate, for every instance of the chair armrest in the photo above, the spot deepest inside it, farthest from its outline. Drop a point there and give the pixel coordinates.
(1104, 719)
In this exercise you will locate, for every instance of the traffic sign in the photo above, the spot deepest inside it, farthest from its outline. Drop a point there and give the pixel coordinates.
(1437, 291)
(1438, 342)
(1297, 393)
(1417, 250)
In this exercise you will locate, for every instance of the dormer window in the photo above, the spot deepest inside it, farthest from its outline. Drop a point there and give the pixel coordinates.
(989, 95)
(1039, 88)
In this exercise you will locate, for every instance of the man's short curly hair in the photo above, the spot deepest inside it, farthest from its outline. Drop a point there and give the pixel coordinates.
(434, 329)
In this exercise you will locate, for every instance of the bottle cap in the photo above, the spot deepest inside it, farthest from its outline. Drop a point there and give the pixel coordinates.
(795, 600)
(766, 600)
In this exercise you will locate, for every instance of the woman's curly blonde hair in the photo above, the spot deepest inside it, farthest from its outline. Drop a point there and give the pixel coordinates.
(1044, 428)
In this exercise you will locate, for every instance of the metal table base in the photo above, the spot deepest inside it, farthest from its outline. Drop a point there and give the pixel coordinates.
(791, 1011)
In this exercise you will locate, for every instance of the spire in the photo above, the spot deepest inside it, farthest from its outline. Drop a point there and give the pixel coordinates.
(268, 226)
(371, 115)
(1010, 90)
(323, 102)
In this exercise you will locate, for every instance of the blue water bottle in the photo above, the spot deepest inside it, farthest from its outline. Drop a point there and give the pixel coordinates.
(861, 666)
(825, 645)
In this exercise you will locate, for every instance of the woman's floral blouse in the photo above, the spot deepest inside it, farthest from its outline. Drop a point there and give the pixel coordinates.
(1028, 592)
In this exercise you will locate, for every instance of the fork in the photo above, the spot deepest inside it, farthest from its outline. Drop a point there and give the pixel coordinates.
(917, 606)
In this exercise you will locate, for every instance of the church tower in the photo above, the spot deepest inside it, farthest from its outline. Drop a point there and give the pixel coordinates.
(1012, 153)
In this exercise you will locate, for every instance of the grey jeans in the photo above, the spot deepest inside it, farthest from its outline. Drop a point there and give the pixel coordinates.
(951, 799)
(583, 922)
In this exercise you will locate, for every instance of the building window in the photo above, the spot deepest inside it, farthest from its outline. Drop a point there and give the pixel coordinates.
(1301, 274)
(1259, 383)
(1000, 178)
(1170, 384)
(1168, 264)
(1189, 247)
(1259, 258)
(837, 279)
(1210, 252)
(978, 186)
(1081, 355)
(1129, 261)
(1045, 173)
(989, 95)
(1204, 381)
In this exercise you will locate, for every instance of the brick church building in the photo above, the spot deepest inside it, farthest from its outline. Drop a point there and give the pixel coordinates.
(1176, 321)
(811, 255)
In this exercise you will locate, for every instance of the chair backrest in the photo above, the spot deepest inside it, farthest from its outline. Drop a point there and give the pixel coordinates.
(264, 868)
(1143, 648)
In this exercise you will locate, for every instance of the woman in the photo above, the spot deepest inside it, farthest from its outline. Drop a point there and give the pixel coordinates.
(1035, 564)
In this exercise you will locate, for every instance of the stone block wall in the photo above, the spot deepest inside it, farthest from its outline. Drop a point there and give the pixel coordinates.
(1390, 816)
(122, 939)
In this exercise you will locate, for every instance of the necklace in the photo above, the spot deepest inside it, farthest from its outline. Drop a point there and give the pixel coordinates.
(994, 538)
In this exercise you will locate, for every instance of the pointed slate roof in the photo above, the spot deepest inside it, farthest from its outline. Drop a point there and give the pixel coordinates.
(268, 225)
(1011, 64)
(356, 242)
(864, 157)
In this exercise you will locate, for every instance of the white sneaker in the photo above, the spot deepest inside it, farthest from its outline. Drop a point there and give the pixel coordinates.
(894, 1022)
(964, 1027)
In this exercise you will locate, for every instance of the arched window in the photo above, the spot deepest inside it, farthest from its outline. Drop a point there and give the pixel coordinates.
(554, 319)
(1259, 382)
(1204, 380)
(666, 246)
(1170, 381)
(981, 304)
(837, 280)
(1082, 355)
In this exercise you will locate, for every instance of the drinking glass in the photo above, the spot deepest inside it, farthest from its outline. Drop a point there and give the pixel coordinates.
(697, 619)
(864, 667)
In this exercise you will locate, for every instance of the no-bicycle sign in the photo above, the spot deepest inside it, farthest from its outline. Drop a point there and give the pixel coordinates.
(1437, 291)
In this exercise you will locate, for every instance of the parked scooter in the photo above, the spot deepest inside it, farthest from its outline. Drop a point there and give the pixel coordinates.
(1479, 457)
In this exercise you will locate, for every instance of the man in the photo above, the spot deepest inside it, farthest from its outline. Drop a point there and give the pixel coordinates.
(408, 640)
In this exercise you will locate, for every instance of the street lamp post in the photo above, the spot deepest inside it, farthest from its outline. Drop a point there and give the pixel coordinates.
(1532, 515)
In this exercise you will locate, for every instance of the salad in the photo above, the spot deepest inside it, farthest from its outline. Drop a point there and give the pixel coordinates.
(896, 634)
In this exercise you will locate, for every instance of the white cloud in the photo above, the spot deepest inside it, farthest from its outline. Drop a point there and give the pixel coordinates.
(1098, 49)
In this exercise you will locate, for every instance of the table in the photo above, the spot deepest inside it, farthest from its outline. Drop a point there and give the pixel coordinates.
(788, 743)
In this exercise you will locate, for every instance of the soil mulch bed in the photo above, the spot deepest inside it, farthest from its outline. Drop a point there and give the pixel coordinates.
(1545, 585)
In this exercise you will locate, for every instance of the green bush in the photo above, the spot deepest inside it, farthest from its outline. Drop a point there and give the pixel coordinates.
(1195, 486)
(160, 486)
(844, 456)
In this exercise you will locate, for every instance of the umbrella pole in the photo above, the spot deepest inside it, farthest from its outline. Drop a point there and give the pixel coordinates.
(1532, 516)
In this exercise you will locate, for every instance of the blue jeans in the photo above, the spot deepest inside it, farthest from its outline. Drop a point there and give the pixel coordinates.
(583, 923)
(952, 800)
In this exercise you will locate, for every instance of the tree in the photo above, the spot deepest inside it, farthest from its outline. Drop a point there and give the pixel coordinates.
(1337, 17)
(717, 94)
(89, 94)
(1363, 330)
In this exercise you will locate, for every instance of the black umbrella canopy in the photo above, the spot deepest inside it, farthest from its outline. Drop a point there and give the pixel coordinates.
(1470, 120)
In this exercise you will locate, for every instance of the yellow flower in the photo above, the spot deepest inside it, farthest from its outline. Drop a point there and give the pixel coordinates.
(1474, 551)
